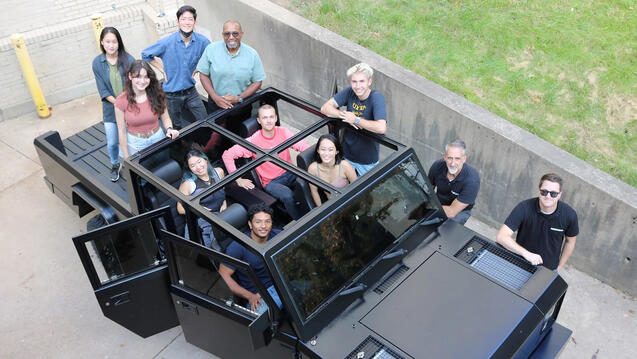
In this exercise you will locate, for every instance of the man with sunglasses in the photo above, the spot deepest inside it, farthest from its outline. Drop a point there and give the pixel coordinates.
(547, 227)
(229, 70)
(179, 53)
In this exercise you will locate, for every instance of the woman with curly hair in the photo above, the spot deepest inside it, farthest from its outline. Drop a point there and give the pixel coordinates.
(137, 110)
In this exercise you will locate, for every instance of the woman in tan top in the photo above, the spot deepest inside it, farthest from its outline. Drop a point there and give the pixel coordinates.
(330, 166)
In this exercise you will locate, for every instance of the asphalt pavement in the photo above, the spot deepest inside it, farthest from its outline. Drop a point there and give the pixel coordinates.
(49, 311)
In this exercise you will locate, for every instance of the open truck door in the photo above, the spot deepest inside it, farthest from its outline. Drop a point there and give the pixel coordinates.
(127, 267)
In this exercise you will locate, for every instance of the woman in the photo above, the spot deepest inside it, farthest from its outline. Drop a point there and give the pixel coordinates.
(137, 110)
(109, 69)
(330, 166)
(199, 176)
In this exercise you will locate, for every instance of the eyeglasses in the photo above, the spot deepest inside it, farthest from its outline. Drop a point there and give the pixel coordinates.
(233, 33)
(545, 192)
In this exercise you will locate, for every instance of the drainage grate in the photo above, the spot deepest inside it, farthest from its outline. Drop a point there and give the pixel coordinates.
(372, 348)
(385, 284)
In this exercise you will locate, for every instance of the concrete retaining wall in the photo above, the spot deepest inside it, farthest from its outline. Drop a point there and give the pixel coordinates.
(302, 58)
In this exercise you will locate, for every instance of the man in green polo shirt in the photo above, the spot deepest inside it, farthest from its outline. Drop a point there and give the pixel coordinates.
(229, 70)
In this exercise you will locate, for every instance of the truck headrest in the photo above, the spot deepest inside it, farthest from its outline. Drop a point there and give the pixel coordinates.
(169, 171)
(304, 158)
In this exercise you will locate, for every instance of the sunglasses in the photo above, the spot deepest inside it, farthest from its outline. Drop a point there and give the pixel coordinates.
(545, 192)
(228, 33)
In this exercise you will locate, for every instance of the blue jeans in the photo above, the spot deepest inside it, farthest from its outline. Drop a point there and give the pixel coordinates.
(282, 189)
(361, 168)
(264, 307)
(112, 141)
(462, 217)
(180, 102)
(207, 234)
(136, 144)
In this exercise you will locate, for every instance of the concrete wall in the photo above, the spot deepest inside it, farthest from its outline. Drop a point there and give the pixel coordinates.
(62, 53)
(302, 58)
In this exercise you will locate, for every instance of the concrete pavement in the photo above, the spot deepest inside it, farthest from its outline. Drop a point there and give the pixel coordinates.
(48, 308)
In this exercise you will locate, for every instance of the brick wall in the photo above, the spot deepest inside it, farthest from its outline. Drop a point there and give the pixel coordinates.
(62, 52)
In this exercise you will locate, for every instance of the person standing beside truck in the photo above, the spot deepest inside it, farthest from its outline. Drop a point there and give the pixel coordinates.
(456, 183)
(229, 70)
(180, 53)
(365, 110)
(547, 227)
(137, 110)
(109, 69)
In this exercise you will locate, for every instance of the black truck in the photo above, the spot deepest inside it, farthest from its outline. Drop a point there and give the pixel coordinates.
(376, 271)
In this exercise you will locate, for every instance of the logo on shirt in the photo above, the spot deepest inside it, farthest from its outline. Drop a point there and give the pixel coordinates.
(557, 229)
(358, 108)
(454, 193)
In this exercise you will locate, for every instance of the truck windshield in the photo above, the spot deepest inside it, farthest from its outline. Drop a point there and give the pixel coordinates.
(331, 253)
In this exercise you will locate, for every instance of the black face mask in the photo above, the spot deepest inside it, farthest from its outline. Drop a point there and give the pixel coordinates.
(185, 34)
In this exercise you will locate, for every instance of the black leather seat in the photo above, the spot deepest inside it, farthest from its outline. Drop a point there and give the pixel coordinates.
(235, 215)
(169, 171)
(302, 192)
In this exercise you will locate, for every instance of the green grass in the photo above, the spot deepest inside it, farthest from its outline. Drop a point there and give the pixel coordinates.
(565, 71)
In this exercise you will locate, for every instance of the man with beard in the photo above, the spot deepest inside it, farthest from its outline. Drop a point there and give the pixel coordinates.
(179, 53)
(365, 109)
(229, 70)
(456, 183)
(547, 227)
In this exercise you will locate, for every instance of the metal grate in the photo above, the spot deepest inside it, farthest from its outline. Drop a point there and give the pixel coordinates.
(496, 262)
(389, 281)
(372, 348)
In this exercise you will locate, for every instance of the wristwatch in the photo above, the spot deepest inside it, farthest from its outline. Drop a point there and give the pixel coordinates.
(240, 98)
(358, 119)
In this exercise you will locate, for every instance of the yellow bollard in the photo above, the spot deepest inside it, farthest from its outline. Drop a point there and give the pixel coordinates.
(28, 72)
(96, 21)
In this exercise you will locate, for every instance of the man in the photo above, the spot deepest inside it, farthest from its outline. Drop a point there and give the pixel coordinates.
(543, 223)
(456, 183)
(229, 70)
(260, 223)
(179, 53)
(274, 180)
(365, 110)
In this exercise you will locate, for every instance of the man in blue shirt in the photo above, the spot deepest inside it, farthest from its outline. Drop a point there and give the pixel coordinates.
(260, 223)
(456, 183)
(229, 70)
(180, 53)
(365, 110)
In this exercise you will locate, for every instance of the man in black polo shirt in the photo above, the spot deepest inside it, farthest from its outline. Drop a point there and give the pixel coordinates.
(542, 223)
(456, 183)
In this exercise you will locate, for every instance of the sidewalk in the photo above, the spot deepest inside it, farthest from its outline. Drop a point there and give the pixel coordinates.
(49, 309)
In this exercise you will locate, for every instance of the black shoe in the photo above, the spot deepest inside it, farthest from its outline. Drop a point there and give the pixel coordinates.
(115, 172)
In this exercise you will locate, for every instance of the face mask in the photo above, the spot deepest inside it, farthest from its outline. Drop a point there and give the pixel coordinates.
(185, 34)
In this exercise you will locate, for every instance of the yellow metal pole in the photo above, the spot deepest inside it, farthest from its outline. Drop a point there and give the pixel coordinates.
(96, 21)
(28, 72)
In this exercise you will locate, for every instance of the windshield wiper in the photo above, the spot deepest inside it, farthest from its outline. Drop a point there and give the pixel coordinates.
(360, 287)
(397, 253)
(429, 222)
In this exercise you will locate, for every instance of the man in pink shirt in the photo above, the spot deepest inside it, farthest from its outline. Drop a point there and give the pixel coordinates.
(274, 179)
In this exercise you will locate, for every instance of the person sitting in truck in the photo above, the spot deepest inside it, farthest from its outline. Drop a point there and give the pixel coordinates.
(109, 69)
(330, 166)
(137, 110)
(261, 231)
(274, 180)
(198, 176)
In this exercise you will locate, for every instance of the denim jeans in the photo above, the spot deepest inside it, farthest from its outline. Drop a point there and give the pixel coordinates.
(136, 144)
(361, 168)
(462, 217)
(282, 189)
(112, 141)
(274, 295)
(187, 101)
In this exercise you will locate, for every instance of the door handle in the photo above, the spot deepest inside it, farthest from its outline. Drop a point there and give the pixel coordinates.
(189, 307)
(120, 299)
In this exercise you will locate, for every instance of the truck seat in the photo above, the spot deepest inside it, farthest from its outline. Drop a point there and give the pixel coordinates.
(171, 173)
